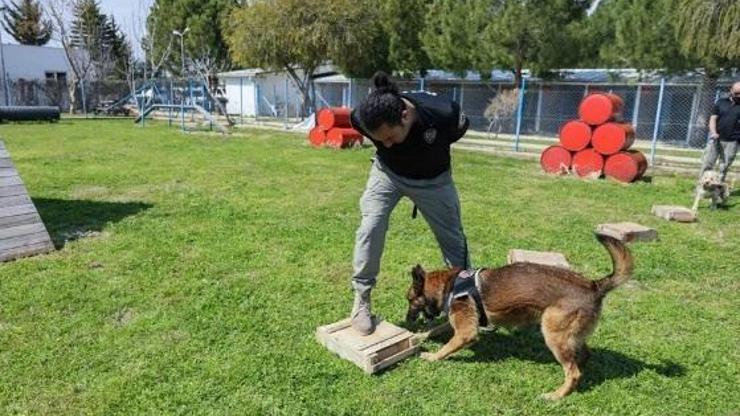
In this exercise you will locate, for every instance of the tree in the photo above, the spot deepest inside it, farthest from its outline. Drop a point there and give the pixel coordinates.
(204, 40)
(653, 47)
(78, 57)
(24, 23)
(298, 36)
(119, 48)
(710, 31)
(538, 34)
(357, 43)
(514, 34)
(403, 21)
(451, 36)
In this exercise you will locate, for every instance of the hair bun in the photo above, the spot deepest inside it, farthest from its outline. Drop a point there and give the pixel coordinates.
(383, 83)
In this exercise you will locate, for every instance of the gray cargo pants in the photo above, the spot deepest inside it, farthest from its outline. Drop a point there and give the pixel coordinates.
(722, 150)
(437, 201)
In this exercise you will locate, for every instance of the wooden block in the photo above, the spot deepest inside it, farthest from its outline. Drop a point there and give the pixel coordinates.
(627, 232)
(547, 258)
(386, 346)
(674, 213)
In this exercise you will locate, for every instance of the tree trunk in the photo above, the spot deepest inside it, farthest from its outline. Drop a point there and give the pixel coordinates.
(304, 86)
(72, 90)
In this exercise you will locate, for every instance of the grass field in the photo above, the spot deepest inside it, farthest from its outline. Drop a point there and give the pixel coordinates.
(192, 271)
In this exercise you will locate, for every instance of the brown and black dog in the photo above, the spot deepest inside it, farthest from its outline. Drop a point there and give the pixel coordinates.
(566, 305)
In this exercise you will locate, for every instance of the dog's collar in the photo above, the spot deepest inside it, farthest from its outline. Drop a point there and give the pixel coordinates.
(467, 283)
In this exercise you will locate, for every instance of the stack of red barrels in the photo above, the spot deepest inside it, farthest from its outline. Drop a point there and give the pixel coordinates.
(597, 143)
(333, 129)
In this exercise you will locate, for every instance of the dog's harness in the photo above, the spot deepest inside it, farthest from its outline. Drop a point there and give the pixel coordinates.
(467, 283)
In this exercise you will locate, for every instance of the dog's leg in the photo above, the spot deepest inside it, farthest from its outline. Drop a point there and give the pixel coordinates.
(561, 330)
(464, 321)
(584, 353)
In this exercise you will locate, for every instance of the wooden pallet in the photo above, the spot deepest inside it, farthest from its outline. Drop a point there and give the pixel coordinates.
(386, 346)
(627, 232)
(548, 258)
(674, 213)
(22, 233)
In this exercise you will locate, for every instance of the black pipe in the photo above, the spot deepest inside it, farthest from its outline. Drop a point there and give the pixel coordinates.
(29, 113)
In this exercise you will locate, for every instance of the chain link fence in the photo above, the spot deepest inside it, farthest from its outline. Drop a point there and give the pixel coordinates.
(664, 112)
(674, 114)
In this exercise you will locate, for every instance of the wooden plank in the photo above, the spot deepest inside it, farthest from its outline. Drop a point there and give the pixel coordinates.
(11, 201)
(7, 244)
(26, 251)
(19, 220)
(20, 230)
(674, 213)
(627, 231)
(6, 163)
(13, 190)
(404, 353)
(17, 210)
(548, 258)
(5, 172)
(11, 180)
(4, 153)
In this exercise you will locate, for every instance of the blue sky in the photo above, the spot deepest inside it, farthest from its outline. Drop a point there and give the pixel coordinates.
(128, 13)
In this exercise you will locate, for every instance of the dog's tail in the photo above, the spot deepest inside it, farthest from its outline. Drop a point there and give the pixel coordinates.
(622, 262)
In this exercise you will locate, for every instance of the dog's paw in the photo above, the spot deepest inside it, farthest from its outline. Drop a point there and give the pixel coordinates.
(428, 356)
(552, 396)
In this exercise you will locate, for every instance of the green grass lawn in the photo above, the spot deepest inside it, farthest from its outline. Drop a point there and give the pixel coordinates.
(192, 270)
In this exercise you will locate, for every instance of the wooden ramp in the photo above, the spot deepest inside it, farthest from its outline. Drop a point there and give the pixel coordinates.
(22, 233)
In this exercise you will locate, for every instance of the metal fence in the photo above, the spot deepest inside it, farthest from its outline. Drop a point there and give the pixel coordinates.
(662, 112)
(668, 113)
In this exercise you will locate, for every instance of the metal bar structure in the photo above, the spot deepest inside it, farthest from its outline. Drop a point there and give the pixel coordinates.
(656, 127)
(519, 115)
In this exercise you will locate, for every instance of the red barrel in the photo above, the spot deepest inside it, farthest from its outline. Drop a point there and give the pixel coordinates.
(317, 136)
(598, 108)
(626, 166)
(555, 159)
(342, 137)
(329, 117)
(611, 138)
(575, 135)
(588, 163)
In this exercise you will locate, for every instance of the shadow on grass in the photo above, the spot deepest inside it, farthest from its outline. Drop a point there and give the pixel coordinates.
(528, 344)
(69, 220)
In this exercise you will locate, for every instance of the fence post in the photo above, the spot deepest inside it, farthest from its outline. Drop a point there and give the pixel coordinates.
(169, 107)
(182, 109)
(241, 100)
(84, 104)
(349, 94)
(421, 82)
(286, 101)
(539, 109)
(636, 108)
(462, 96)
(657, 122)
(519, 114)
(694, 108)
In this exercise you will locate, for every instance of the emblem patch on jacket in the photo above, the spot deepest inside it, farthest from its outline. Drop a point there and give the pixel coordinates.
(430, 135)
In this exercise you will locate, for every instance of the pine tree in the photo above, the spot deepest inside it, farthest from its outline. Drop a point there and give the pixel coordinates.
(88, 27)
(25, 24)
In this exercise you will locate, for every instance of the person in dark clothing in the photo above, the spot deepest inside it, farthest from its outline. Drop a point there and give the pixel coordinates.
(724, 133)
(412, 132)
